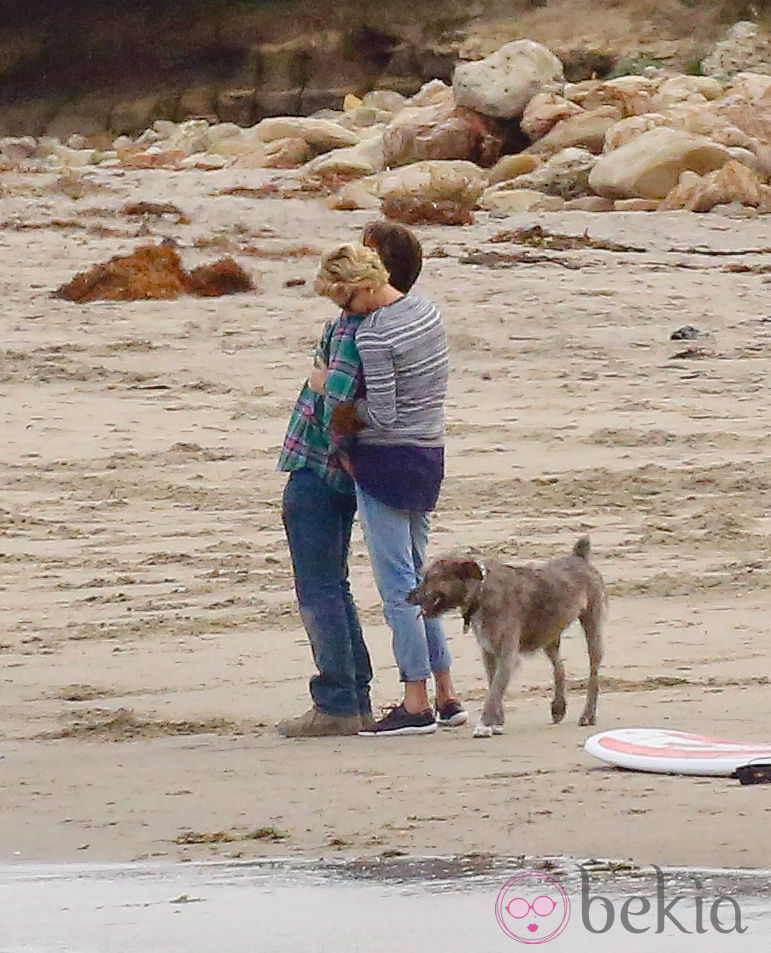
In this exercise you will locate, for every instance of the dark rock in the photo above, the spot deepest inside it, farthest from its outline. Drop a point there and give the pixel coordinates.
(687, 333)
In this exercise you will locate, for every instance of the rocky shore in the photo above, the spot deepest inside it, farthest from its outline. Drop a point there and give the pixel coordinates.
(509, 134)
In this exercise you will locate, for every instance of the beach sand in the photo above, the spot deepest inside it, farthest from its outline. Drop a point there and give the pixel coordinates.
(150, 638)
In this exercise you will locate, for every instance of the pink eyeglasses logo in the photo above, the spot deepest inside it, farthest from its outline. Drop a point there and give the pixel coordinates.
(532, 907)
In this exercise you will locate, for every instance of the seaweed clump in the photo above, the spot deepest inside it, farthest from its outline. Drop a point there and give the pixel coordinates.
(153, 272)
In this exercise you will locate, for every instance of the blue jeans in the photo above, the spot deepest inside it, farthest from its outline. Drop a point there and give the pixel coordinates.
(396, 540)
(318, 520)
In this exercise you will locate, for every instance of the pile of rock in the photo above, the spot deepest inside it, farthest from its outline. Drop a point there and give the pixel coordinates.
(510, 134)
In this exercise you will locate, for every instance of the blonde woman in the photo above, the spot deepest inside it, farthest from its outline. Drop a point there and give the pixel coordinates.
(397, 461)
(318, 508)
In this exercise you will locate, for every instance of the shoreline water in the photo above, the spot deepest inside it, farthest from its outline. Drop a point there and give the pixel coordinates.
(282, 905)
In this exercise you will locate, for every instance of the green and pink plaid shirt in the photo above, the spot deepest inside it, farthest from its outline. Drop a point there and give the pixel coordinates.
(308, 441)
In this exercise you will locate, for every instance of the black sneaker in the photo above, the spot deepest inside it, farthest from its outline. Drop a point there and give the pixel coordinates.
(451, 714)
(399, 721)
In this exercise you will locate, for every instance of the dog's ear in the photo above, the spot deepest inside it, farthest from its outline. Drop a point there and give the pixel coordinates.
(469, 569)
(413, 597)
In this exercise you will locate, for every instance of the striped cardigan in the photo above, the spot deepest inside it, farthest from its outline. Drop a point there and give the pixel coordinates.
(403, 349)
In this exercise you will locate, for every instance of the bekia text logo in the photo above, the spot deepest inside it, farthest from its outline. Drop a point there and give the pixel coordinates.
(532, 907)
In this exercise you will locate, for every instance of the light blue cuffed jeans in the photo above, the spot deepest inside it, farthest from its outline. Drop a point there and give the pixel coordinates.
(396, 540)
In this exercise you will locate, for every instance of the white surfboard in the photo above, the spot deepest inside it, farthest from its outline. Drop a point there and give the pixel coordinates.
(663, 751)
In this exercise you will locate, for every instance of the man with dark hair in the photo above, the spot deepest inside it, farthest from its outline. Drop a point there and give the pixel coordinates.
(399, 251)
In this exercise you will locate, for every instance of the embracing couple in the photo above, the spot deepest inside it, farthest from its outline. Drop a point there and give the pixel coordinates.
(367, 432)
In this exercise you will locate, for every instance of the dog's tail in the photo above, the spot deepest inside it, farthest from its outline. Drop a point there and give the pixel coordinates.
(582, 547)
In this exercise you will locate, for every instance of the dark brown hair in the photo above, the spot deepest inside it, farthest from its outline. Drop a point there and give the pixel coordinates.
(399, 250)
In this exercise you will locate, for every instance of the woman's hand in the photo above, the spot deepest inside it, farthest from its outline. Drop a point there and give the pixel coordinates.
(317, 379)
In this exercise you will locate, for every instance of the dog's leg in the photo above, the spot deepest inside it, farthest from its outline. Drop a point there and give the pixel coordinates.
(482, 730)
(592, 620)
(492, 711)
(558, 705)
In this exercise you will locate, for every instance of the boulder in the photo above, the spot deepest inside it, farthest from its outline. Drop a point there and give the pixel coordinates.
(444, 131)
(565, 174)
(750, 86)
(678, 89)
(359, 194)
(745, 47)
(509, 167)
(503, 83)
(430, 94)
(586, 129)
(286, 153)
(188, 137)
(357, 161)
(387, 100)
(650, 166)
(440, 180)
(165, 128)
(322, 135)
(426, 132)
(635, 205)
(733, 182)
(589, 203)
(632, 94)
(17, 148)
(753, 117)
(364, 117)
(73, 158)
(208, 161)
(543, 112)
(500, 199)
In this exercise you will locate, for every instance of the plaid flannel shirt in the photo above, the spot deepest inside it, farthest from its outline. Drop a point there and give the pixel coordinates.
(308, 441)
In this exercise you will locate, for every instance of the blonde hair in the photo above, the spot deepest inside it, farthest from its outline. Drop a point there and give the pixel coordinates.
(347, 269)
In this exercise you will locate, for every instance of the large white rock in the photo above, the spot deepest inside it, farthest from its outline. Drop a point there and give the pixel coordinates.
(501, 199)
(733, 182)
(587, 129)
(440, 180)
(430, 94)
(503, 83)
(650, 166)
(565, 174)
(509, 167)
(360, 193)
(322, 135)
(543, 112)
(750, 86)
(425, 132)
(678, 89)
(17, 148)
(632, 94)
(363, 159)
(383, 99)
(746, 46)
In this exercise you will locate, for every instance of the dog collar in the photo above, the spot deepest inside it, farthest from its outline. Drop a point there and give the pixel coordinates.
(469, 610)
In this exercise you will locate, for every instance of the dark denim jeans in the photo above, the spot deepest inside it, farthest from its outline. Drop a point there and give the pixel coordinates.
(318, 522)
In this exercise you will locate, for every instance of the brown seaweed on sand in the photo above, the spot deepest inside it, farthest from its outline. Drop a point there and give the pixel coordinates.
(153, 272)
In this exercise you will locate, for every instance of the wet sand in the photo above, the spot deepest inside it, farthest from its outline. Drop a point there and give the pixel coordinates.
(150, 638)
(245, 906)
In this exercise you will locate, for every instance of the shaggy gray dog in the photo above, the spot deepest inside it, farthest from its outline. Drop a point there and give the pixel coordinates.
(515, 610)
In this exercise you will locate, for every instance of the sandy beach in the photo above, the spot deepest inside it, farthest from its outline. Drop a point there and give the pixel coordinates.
(150, 638)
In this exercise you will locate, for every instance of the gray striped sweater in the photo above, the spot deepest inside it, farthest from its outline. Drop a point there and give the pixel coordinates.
(403, 349)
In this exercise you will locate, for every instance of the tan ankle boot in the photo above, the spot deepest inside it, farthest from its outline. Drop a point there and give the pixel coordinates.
(317, 724)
